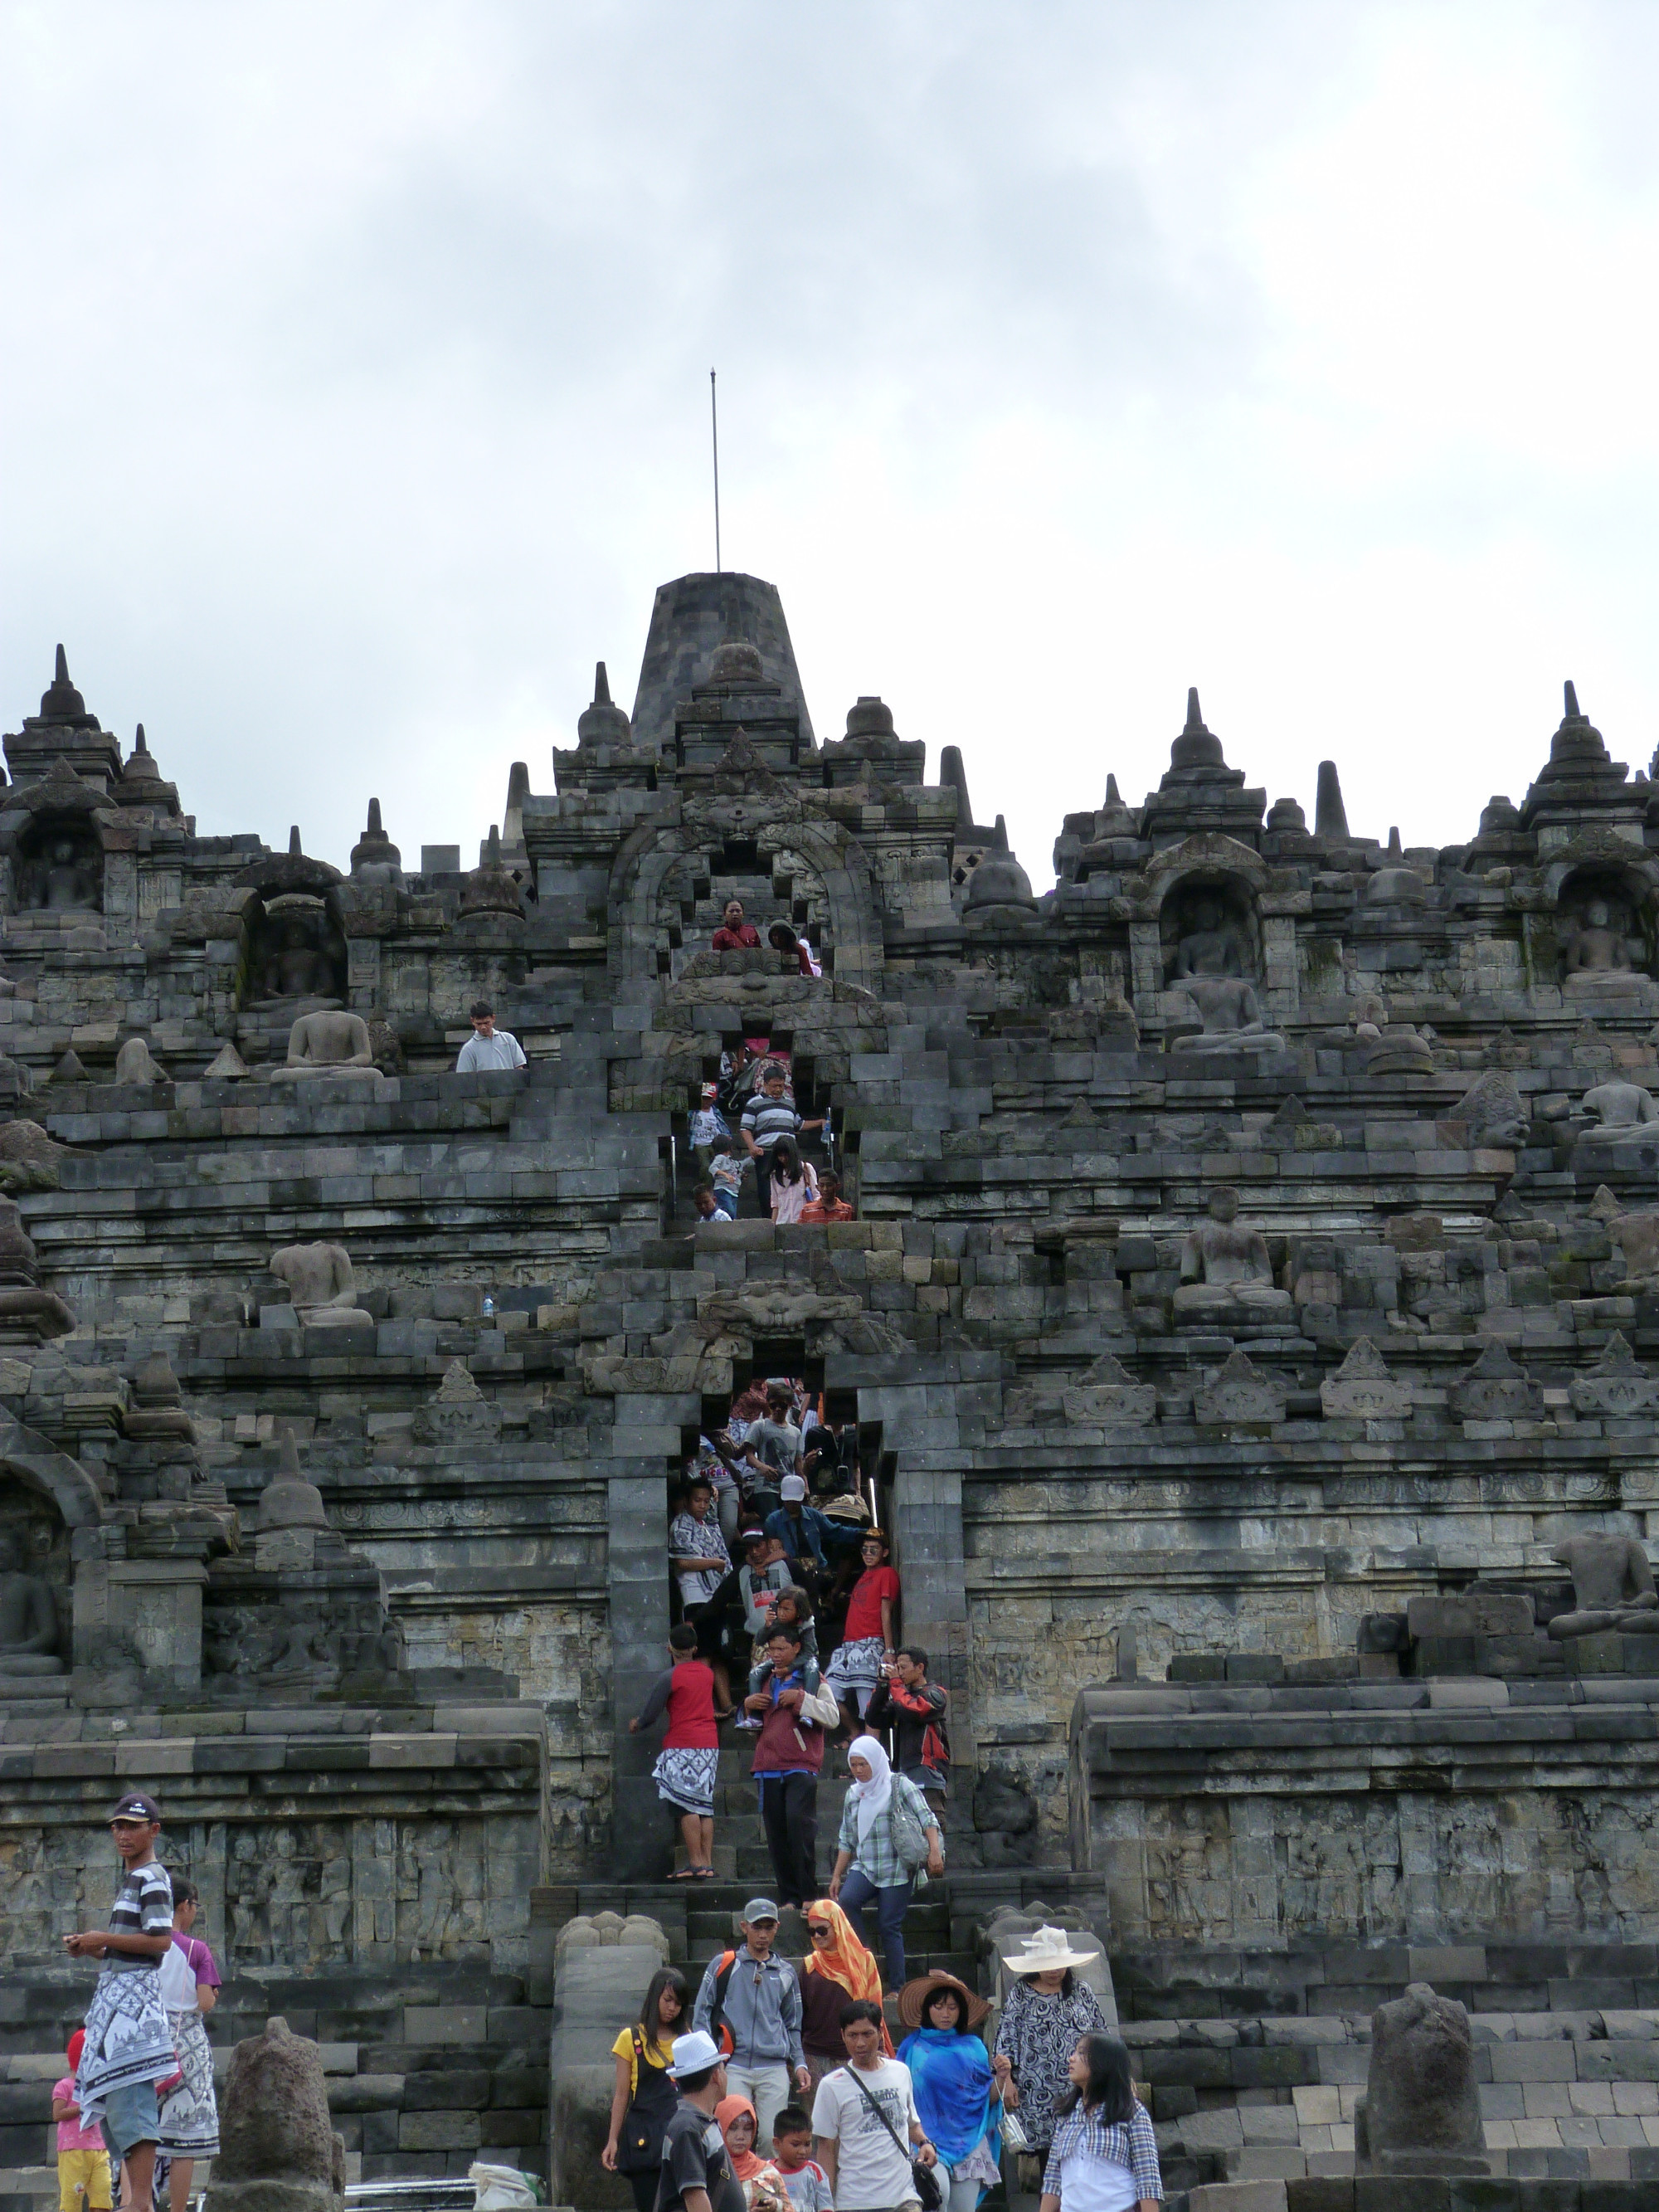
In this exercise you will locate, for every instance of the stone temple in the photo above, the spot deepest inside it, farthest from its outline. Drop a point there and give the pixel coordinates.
(1250, 1321)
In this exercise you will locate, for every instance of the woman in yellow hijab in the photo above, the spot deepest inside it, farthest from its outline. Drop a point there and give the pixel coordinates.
(837, 1968)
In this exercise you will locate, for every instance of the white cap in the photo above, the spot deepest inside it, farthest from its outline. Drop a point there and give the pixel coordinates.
(792, 1487)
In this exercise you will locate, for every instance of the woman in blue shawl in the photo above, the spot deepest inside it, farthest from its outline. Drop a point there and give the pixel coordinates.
(958, 2099)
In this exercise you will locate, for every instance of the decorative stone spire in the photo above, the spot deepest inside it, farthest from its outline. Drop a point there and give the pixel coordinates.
(603, 724)
(518, 790)
(374, 857)
(1197, 746)
(288, 1500)
(491, 888)
(295, 849)
(141, 782)
(1330, 816)
(61, 702)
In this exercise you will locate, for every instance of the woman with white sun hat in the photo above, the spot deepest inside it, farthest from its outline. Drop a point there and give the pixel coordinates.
(1048, 2011)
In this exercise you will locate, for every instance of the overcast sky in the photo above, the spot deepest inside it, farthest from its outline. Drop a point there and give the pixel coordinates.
(356, 384)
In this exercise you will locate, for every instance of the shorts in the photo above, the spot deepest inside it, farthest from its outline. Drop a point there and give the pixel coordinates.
(83, 2176)
(725, 1204)
(131, 2116)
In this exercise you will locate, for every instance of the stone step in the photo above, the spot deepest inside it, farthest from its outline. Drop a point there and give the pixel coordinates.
(1561, 2093)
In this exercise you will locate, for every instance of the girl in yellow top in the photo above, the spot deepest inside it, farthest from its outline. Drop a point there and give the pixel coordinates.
(645, 2097)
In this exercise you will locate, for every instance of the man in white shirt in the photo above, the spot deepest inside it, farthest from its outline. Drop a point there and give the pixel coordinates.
(868, 2169)
(488, 1047)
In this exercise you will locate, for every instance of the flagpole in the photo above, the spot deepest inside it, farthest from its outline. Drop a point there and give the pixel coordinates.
(715, 430)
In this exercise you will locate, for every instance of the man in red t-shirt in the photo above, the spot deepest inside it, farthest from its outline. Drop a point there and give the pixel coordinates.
(735, 934)
(685, 1768)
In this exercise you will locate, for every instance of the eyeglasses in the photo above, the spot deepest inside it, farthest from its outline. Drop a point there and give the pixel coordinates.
(819, 1932)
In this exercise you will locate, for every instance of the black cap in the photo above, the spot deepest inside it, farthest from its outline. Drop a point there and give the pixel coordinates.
(135, 1806)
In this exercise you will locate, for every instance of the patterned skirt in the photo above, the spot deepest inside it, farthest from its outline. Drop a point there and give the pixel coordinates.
(854, 1666)
(128, 2039)
(188, 2126)
(685, 1779)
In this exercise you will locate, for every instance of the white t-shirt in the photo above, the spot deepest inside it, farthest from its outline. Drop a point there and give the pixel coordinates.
(871, 2172)
(1096, 2184)
(177, 1981)
(501, 1050)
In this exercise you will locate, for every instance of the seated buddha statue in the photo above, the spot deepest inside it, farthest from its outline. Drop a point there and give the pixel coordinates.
(1596, 956)
(1226, 1272)
(29, 1618)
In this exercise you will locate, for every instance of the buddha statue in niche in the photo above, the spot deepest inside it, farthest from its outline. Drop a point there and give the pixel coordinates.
(65, 878)
(1225, 1269)
(1211, 944)
(1596, 956)
(296, 956)
(28, 1617)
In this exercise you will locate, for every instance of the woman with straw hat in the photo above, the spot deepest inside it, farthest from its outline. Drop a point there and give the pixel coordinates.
(958, 2097)
(836, 1968)
(1048, 2013)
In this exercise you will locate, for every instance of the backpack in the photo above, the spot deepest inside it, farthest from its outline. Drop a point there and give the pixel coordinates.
(717, 2027)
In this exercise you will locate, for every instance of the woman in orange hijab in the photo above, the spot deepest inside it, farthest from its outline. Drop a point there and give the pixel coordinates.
(837, 1968)
(760, 2180)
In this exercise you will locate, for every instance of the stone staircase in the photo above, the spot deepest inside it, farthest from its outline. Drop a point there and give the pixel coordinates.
(700, 1918)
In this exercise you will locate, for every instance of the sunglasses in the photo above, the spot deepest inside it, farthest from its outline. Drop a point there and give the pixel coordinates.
(819, 1932)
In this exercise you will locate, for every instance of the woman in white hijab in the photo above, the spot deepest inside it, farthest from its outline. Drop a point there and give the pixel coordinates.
(889, 1832)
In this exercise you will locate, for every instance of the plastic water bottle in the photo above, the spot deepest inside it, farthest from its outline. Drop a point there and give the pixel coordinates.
(489, 1307)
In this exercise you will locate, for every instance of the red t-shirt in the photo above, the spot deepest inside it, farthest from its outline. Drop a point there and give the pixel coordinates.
(746, 939)
(691, 1709)
(864, 1608)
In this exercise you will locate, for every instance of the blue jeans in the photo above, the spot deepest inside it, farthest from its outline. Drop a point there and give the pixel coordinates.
(891, 1906)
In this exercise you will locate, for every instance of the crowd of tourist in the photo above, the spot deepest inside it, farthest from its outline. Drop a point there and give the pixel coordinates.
(139, 2091)
(748, 1121)
(711, 2110)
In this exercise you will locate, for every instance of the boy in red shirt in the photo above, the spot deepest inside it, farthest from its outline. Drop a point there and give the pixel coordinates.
(686, 1767)
(829, 1205)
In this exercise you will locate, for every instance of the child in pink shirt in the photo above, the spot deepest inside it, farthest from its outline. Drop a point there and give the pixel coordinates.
(83, 2161)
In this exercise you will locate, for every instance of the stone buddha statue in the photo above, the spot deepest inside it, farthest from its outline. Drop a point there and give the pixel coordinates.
(325, 1289)
(29, 1618)
(67, 882)
(1634, 1236)
(295, 967)
(330, 1044)
(1226, 1272)
(1596, 956)
(1212, 944)
(1625, 1114)
(1231, 1015)
(1612, 1589)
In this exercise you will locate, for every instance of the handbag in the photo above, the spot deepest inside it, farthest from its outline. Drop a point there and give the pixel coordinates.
(909, 1837)
(1014, 2137)
(923, 2179)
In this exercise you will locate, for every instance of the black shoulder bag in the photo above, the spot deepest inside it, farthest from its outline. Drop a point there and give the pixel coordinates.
(924, 2180)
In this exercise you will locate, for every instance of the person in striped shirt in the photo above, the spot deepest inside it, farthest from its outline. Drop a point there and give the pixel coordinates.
(771, 1115)
(1104, 2157)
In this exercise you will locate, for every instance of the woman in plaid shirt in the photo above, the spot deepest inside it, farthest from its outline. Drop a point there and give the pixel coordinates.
(1104, 2156)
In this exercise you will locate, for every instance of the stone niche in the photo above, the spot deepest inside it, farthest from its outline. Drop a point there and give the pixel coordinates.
(59, 866)
(1605, 935)
(1207, 926)
(35, 1574)
(296, 955)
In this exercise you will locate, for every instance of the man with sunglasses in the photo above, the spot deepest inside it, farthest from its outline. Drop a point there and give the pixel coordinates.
(128, 2045)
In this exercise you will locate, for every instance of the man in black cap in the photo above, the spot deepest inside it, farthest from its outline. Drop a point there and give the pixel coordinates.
(128, 2045)
(751, 2000)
